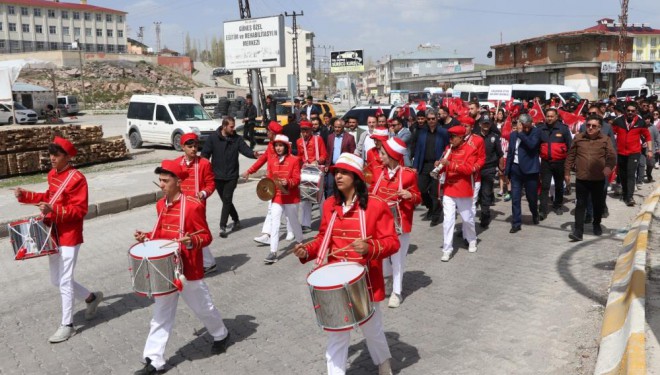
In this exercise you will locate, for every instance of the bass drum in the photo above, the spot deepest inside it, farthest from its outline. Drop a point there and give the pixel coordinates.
(311, 183)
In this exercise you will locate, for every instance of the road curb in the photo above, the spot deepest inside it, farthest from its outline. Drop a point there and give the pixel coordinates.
(622, 347)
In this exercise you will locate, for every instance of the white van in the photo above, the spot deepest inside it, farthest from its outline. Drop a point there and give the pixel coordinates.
(469, 92)
(68, 104)
(164, 118)
(545, 92)
(634, 87)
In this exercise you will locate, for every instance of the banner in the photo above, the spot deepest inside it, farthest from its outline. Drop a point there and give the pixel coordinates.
(500, 92)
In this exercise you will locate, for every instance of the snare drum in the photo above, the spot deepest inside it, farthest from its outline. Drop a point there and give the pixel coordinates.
(340, 296)
(31, 238)
(394, 207)
(153, 268)
(311, 183)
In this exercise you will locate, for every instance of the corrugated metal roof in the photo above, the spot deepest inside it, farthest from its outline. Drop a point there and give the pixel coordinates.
(22, 86)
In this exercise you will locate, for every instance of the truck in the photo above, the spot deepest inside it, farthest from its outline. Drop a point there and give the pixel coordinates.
(209, 100)
(634, 87)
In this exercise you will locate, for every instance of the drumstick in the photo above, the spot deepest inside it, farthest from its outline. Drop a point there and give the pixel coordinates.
(156, 183)
(179, 240)
(347, 246)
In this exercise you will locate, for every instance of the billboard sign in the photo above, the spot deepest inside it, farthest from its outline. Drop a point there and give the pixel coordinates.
(347, 61)
(499, 92)
(610, 67)
(254, 43)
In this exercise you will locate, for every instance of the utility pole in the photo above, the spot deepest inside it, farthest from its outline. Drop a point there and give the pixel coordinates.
(82, 79)
(623, 34)
(157, 23)
(140, 34)
(254, 75)
(296, 70)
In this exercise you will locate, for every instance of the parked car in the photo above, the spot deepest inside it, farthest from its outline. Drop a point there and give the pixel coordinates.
(68, 104)
(23, 115)
(217, 72)
(361, 112)
(164, 119)
(336, 100)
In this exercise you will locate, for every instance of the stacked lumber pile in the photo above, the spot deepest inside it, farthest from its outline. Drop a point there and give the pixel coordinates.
(25, 150)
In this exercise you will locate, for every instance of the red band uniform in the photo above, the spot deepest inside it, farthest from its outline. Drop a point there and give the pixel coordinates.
(68, 212)
(476, 143)
(310, 152)
(200, 183)
(195, 291)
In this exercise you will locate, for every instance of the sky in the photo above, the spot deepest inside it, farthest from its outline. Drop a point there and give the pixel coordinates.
(383, 27)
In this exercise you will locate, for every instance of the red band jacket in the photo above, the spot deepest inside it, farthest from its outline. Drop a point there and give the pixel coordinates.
(460, 172)
(310, 157)
(69, 209)
(205, 177)
(477, 144)
(372, 163)
(167, 228)
(346, 229)
(289, 170)
(387, 187)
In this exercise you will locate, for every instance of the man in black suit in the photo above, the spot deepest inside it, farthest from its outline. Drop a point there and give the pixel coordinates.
(522, 168)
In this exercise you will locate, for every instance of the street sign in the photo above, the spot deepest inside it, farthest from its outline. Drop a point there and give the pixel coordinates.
(610, 67)
(346, 61)
(499, 92)
(254, 43)
(656, 67)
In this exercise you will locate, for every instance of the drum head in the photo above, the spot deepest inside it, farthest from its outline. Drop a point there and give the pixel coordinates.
(152, 249)
(335, 274)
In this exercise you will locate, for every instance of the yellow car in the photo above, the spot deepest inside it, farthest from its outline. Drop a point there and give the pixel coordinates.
(283, 110)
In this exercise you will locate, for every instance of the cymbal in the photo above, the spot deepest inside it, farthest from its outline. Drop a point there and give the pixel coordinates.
(266, 189)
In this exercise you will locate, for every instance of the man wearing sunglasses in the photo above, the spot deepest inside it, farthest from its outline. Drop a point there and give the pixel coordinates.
(593, 157)
(629, 129)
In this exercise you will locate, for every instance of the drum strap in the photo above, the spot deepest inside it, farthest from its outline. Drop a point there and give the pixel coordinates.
(382, 176)
(196, 163)
(60, 190)
(321, 258)
(316, 148)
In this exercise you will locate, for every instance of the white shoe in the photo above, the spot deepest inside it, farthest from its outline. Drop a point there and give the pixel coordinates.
(445, 256)
(290, 236)
(263, 239)
(473, 247)
(62, 334)
(395, 301)
(385, 368)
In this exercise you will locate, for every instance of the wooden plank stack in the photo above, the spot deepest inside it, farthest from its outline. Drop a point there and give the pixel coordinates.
(25, 150)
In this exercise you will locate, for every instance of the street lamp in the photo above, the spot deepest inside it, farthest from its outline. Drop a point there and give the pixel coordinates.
(82, 79)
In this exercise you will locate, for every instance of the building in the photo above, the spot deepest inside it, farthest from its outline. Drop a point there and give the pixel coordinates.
(425, 61)
(40, 25)
(646, 44)
(275, 79)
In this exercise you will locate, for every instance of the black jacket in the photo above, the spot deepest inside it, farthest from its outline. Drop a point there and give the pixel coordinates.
(493, 149)
(223, 152)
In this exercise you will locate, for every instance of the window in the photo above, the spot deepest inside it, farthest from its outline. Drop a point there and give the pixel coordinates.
(41, 46)
(53, 45)
(99, 17)
(108, 18)
(99, 32)
(638, 43)
(652, 55)
(511, 53)
(11, 9)
(638, 55)
(538, 50)
(231, 94)
(523, 52)
(237, 81)
(37, 12)
(38, 29)
(603, 46)
(24, 11)
(163, 115)
(65, 30)
(428, 64)
(25, 27)
(120, 33)
(88, 16)
(65, 14)
(111, 48)
(120, 19)
(12, 26)
(52, 30)
(568, 48)
(500, 57)
(121, 49)
(0, 26)
(27, 45)
(51, 13)
(109, 33)
(654, 41)
(88, 47)
(76, 31)
(88, 31)
(13, 45)
(76, 15)
(2, 44)
(99, 48)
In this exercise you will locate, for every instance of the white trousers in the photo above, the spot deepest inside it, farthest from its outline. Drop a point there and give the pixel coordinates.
(464, 207)
(197, 297)
(395, 265)
(306, 217)
(336, 353)
(61, 275)
(475, 198)
(291, 213)
(209, 259)
(267, 222)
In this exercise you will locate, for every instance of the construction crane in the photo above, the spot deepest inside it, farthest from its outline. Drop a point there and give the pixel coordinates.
(257, 86)
(623, 35)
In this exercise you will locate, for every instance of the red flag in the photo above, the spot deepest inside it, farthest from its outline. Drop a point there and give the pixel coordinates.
(571, 120)
(537, 112)
(404, 111)
(421, 106)
(506, 128)
(508, 105)
(580, 107)
(628, 98)
(379, 111)
(458, 108)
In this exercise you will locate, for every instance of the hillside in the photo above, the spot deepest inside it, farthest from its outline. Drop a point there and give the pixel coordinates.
(109, 85)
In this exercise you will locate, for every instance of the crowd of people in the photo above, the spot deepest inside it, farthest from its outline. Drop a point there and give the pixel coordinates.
(450, 159)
